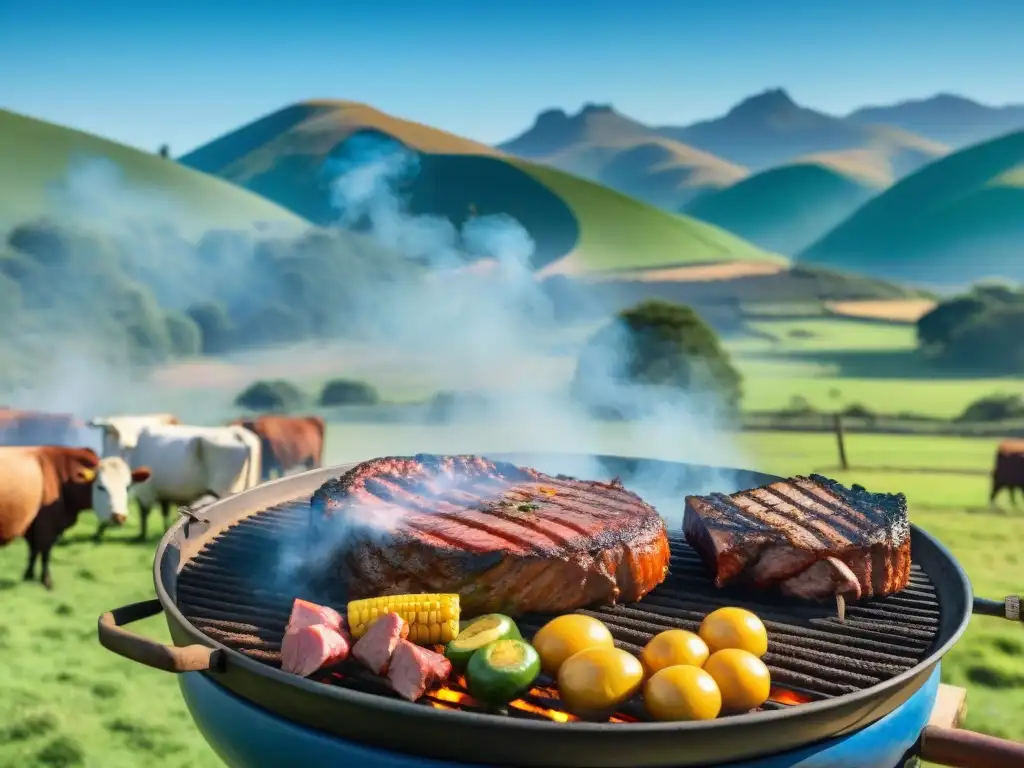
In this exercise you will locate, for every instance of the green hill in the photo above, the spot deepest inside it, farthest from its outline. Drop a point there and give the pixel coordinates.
(283, 157)
(957, 220)
(787, 208)
(36, 157)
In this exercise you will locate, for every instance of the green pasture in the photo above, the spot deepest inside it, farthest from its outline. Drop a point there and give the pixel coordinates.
(68, 702)
(833, 363)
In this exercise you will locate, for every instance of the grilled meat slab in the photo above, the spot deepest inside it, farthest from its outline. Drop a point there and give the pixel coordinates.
(810, 536)
(507, 539)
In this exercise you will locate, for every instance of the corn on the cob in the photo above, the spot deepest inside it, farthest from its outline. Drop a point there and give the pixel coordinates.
(433, 618)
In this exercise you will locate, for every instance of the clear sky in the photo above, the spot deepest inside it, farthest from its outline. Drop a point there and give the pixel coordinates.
(146, 72)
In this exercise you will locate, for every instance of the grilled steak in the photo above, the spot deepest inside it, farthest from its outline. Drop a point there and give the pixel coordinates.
(507, 539)
(810, 536)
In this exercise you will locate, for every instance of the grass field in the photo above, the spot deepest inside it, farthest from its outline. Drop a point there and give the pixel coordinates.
(834, 362)
(68, 702)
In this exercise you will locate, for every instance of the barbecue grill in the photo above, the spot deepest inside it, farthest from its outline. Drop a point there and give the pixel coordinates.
(845, 693)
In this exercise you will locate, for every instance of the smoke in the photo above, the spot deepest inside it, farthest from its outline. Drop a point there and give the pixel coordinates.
(480, 309)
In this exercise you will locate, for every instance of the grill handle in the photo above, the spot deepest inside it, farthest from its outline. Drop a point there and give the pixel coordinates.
(968, 749)
(1007, 608)
(191, 658)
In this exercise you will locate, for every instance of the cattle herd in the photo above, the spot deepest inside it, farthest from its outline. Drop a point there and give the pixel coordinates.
(47, 479)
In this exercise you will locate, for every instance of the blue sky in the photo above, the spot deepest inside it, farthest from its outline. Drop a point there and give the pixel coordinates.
(146, 73)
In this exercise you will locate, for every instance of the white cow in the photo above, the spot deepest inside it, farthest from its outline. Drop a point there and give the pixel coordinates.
(188, 462)
(121, 433)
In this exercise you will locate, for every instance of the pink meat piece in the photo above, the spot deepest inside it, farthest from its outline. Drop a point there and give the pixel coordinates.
(306, 649)
(306, 614)
(414, 669)
(374, 648)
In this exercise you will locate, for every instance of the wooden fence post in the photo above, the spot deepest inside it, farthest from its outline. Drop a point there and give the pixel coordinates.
(840, 442)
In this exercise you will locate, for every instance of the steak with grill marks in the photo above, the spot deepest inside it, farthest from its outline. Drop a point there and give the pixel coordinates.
(810, 536)
(507, 539)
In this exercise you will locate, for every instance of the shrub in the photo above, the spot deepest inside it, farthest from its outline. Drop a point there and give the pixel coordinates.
(655, 351)
(998, 407)
(858, 411)
(348, 392)
(448, 406)
(277, 395)
(798, 406)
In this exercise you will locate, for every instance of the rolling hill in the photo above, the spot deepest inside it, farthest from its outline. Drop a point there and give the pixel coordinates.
(785, 209)
(36, 158)
(287, 156)
(957, 220)
(770, 129)
(607, 147)
(947, 118)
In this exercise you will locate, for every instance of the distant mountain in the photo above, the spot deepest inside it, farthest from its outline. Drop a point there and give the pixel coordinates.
(290, 156)
(770, 129)
(945, 117)
(958, 220)
(601, 144)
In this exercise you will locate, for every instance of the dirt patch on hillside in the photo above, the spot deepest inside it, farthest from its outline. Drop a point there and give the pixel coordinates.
(896, 310)
(696, 273)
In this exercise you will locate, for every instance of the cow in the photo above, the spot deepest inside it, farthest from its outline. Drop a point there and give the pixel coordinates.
(121, 433)
(288, 441)
(189, 462)
(1009, 469)
(31, 428)
(43, 489)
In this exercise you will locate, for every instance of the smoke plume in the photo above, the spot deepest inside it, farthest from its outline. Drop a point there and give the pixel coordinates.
(479, 320)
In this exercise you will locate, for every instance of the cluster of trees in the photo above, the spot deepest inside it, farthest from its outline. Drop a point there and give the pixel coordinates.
(651, 355)
(982, 330)
(151, 295)
(282, 395)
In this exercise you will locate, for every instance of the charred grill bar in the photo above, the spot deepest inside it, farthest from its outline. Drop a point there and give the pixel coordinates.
(843, 692)
(225, 591)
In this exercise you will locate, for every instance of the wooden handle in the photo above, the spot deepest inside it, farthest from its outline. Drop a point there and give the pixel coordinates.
(968, 749)
(192, 658)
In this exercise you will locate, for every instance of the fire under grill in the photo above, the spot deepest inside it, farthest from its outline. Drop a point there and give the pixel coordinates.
(229, 591)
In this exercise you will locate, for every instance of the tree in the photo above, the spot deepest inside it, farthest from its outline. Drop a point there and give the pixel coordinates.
(214, 326)
(654, 353)
(186, 338)
(165, 151)
(278, 395)
(992, 340)
(935, 328)
(348, 392)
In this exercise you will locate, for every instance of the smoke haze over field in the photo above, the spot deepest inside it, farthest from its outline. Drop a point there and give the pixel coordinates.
(393, 278)
(484, 319)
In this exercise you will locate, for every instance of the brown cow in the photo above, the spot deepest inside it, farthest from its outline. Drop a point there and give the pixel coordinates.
(287, 441)
(43, 489)
(26, 428)
(1009, 469)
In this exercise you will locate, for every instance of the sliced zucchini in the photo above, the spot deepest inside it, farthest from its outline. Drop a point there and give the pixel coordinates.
(478, 633)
